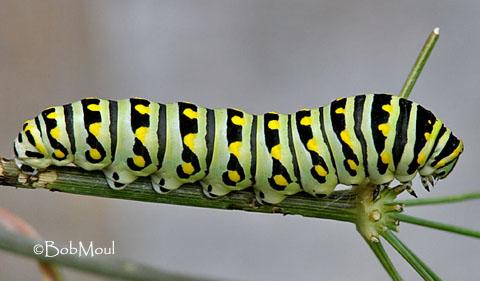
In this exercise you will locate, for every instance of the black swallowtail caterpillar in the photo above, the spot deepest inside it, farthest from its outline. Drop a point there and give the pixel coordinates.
(373, 138)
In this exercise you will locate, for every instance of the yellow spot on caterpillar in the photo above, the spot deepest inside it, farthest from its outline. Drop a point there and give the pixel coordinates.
(95, 154)
(189, 141)
(429, 121)
(237, 120)
(440, 164)
(457, 151)
(190, 113)
(38, 145)
(312, 145)
(234, 148)
(340, 110)
(141, 133)
(41, 148)
(52, 115)
(346, 138)
(339, 99)
(142, 109)
(421, 158)
(188, 168)
(320, 171)
(450, 157)
(273, 125)
(427, 136)
(233, 176)
(95, 128)
(59, 153)
(93, 107)
(352, 164)
(387, 107)
(306, 121)
(385, 157)
(55, 133)
(276, 152)
(280, 180)
(384, 128)
(139, 161)
(27, 126)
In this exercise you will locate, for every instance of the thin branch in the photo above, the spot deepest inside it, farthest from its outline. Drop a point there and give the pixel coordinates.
(438, 225)
(384, 259)
(15, 224)
(340, 205)
(420, 267)
(439, 200)
(419, 63)
(110, 267)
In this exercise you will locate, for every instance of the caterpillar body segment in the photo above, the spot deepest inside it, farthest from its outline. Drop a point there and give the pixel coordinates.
(373, 138)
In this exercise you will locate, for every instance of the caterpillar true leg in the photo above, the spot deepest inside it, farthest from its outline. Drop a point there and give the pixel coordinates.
(408, 187)
(379, 188)
(428, 182)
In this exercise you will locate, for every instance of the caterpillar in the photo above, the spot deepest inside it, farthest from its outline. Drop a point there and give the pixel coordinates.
(364, 139)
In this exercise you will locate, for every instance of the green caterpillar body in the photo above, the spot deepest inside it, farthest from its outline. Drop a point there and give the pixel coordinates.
(372, 138)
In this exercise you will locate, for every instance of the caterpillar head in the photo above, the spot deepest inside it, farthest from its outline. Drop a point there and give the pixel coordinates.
(443, 159)
(29, 149)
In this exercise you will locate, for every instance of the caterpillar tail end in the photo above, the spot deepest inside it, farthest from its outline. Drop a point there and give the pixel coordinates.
(26, 169)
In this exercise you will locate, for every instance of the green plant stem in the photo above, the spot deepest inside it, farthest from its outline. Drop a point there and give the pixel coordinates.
(340, 205)
(384, 259)
(110, 267)
(438, 225)
(419, 64)
(420, 267)
(439, 200)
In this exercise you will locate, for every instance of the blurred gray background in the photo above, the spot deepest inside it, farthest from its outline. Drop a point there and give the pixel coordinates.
(254, 55)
